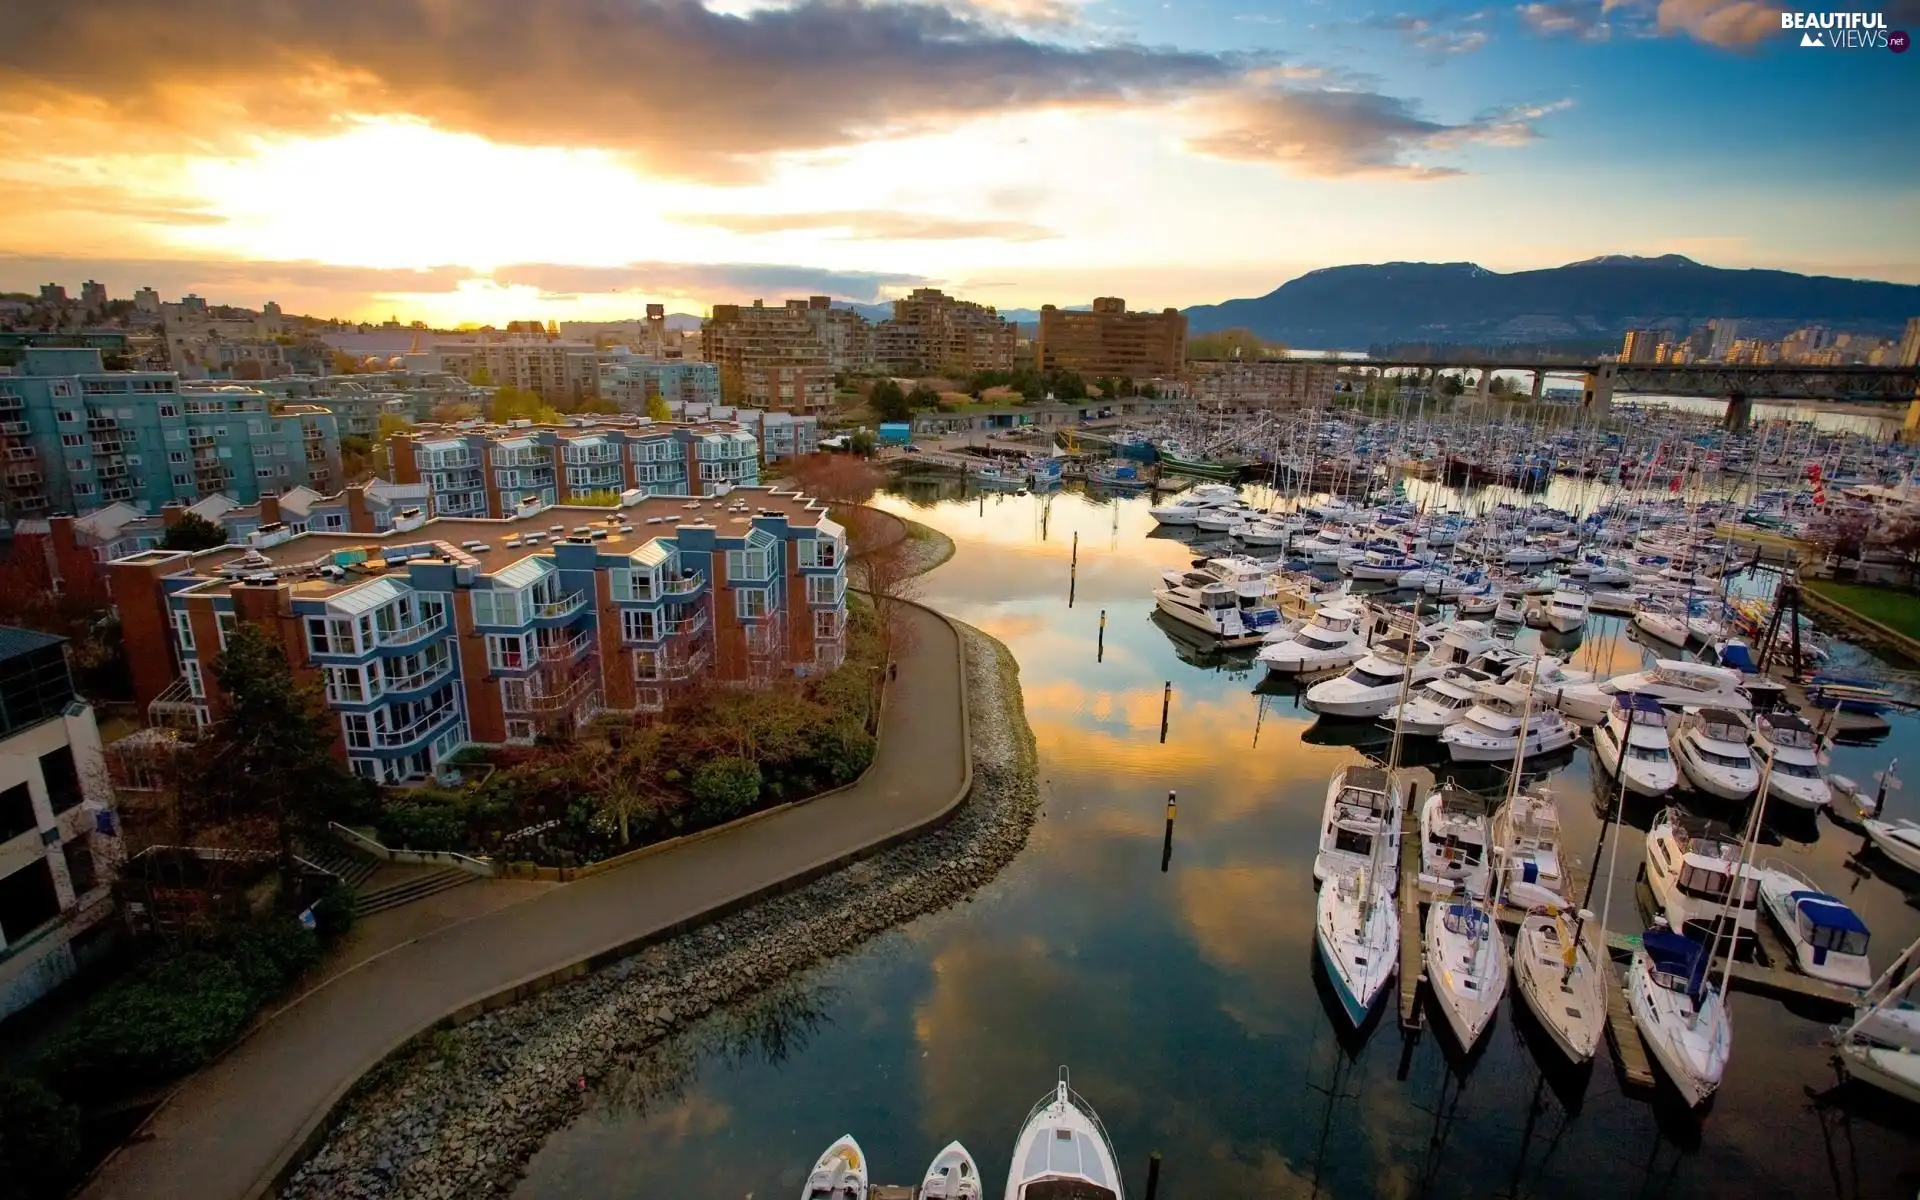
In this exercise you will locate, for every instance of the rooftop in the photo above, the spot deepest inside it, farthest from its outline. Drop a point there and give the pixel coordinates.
(15, 641)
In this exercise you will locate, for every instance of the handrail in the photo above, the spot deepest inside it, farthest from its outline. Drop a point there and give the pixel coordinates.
(420, 678)
(689, 583)
(414, 632)
(558, 651)
(393, 739)
(567, 605)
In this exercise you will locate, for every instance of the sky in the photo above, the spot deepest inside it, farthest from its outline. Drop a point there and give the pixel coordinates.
(488, 160)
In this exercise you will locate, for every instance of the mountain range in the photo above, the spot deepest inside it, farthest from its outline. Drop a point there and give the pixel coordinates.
(1353, 307)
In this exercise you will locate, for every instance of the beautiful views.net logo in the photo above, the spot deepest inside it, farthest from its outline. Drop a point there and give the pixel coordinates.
(1844, 30)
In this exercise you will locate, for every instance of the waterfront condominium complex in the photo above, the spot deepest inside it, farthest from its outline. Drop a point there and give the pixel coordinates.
(771, 358)
(555, 370)
(1249, 384)
(76, 437)
(497, 631)
(58, 837)
(1109, 341)
(932, 331)
(631, 382)
(496, 470)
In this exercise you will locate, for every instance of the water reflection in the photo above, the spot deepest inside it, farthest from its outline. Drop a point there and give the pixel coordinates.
(1188, 1003)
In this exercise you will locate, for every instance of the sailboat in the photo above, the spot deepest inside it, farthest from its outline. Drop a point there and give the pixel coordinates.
(1563, 978)
(1466, 965)
(1881, 1045)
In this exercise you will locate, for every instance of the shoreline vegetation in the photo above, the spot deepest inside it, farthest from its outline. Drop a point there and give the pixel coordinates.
(461, 1111)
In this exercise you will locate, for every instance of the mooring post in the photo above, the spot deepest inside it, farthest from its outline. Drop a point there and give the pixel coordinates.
(1100, 647)
(1153, 1175)
(1166, 702)
(1166, 842)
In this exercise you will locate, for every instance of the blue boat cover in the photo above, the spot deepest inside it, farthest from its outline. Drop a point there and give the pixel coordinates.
(1829, 912)
(1467, 920)
(1737, 656)
(1673, 954)
(1634, 700)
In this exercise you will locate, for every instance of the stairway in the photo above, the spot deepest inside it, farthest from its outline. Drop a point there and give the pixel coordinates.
(366, 903)
(350, 867)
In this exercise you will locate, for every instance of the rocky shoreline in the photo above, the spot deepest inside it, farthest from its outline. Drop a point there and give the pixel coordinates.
(460, 1112)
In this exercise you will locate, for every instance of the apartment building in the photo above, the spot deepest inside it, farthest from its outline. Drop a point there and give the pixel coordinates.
(1642, 345)
(631, 381)
(552, 369)
(495, 631)
(942, 334)
(59, 837)
(781, 435)
(1110, 341)
(76, 437)
(496, 470)
(844, 335)
(1258, 384)
(769, 357)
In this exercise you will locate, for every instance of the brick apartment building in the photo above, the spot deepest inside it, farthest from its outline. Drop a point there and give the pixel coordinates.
(1110, 341)
(942, 334)
(492, 631)
(771, 358)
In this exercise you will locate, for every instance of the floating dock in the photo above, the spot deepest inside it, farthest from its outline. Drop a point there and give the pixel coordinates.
(1412, 930)
(1763, 979)
(1628, 1050)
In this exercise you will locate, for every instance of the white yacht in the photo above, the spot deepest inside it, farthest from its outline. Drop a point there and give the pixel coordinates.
(1899, 840)
(1371, 686)
(1691, 863)
(1466, 967)
(1249, 578)
(1829, 939)
(839, 1174)
(1641, 723)
(1710, 744)
(1453, 841)
(1063, 1153)
(1335, 638)
(1217, 611)
(1881, 1044)
(1547, 677)
(1187, 507)
(1491, 730)
(1510, 608)
(1357, 930)
(1563, 610)
(1563, 978)
(1790, 746)
(1679, 1012)
(1663, 624)
(1481, 601)
(952, 1176)
(1525, 832)
(1362, 808)
(1437, 703)
(1462, 643)
(1670, 679)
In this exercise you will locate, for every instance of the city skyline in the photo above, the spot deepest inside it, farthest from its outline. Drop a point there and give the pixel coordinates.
(568, 162)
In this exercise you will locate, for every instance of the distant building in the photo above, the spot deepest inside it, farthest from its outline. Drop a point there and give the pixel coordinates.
(552, 369)
(947, 336)
(631, 381)
(59, 836)
(1237, 385)
(93, 295)
(769, 357)
(52, 293)
(1110, 341)
(1641, 346)
(845, 336)
(1910, 344)
(1725, 334)
(147, 300)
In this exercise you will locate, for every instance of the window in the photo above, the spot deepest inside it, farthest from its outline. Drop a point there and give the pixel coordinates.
(359, 731)
(263, 451)
(819, 552)
(507, 652)
(225, 622)
(639, 625)
(16, 812)
(494, 607)
(749, 564)
(79, 464)
(182, 479)
(334, 635)
(751, 603)
(177, 457)
(66, 416)
(826, 589)
(183, 628)
(72, 439)
(347, 685)
(196, 686)
(631, 584)
(62, 777)
(827, 625)
(169, 410)
(263, 472)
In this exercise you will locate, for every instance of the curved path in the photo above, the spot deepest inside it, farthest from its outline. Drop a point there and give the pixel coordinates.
(231, 1130)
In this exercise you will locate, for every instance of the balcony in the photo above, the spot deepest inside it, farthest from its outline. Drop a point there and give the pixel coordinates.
(415, 632)
(425, 677)
(113, 470)
(177, 708)
(311, 434)
(96, 423)
(18, 478)
(567, 650)
(417, 730)
(688, 583)
(565, 606)
(316, 453)
(13, 428)
(11, 403)
(685, 626)
(562, 700)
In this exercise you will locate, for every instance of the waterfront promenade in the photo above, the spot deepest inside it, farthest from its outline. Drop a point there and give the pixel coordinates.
(230, 1130)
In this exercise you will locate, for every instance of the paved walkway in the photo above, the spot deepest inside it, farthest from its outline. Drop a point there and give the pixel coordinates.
(231, 1128)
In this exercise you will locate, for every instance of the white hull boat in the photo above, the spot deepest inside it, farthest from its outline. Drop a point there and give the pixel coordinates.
(1563, 979)
(952, 1176)
(1669, 628)
(1898, 840)
(1690, 866)
(1526, 845)
(1334, 640)
(1454, 835)
(1710, 745)
(1828, 938)
(1881, 1045)
(1791, 746)
(1357, 930)
(1648, 766)
(1063, 1152)
(1466, 967)
(1362, 808)
(839, 1174)
(1491, 731)
(1682, 1017)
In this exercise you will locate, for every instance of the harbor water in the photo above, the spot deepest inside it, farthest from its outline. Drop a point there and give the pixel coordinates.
(1187, 998)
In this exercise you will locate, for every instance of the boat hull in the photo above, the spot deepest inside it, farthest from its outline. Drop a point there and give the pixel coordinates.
(1895, 1071)
(1572, 1009)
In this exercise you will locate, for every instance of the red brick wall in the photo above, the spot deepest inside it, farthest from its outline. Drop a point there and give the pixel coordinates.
(616, 660)
(486, 718)
(401, 454)
(729, 639)
(144, 626)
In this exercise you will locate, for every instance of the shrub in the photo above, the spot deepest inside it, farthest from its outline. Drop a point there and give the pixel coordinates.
(171, 1018)
(39, 1139)
(270, 956)
(723, 788)
(841, 750)
(333, 913)
(422, 825)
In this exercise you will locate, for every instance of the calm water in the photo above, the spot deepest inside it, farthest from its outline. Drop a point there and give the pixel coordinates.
(1189, 1003)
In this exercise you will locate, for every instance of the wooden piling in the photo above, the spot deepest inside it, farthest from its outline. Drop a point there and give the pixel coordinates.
(1166, 843)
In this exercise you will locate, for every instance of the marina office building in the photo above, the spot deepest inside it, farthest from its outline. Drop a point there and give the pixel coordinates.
(493, 631)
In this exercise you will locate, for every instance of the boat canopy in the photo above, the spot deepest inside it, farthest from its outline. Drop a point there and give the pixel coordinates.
(1467, 921)
(1786, 729)
(1831, 925)
(1645, 706)
(1739, 657)
(1681, 959)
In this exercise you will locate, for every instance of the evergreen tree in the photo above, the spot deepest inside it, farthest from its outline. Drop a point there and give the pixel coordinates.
(193, 532)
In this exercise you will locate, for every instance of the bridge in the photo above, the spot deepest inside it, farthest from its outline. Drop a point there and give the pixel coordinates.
(1738, 384)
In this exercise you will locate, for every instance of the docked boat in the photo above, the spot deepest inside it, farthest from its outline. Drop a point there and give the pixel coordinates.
(1454, 834)
(1217, 611)
(1672, 680)
(1563, 611)
(1525, 831)
(1690, 867)
(1187, 508)
(1357, 931)
(1362, 809)
(1639, 723)
(1334, 638)
(1371, 686)
(1663, 624)
(1880, 1046)
(1480, 601)
(1710, 744)
(839, 1174)
(1563, 978)
(1899, 840)
(1829, 939)
(1788, 745)
(1252, 580)
(1679, 1012)
(1438, 703)
(1466, 959)
(1063, 1152)
(952, 1176)
(1505, 722)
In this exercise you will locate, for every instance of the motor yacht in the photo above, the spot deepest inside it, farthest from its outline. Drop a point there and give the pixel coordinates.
(1371, 686)
(1250, 579)
(1362, 809)
(1063, 1152)
(1899, 840)
(1673, 680)
(1380, 565)
(1828, 938)
(1480, 600)
(1187, 508)
(1491, 730)
(1789, 745)
(1453, 841)
(1562, 610)
(1563, 978)
(1466, 961)
(1640, 724)
(1226, 518)
(1690, 867)
(1510, 609)
(1679, 1012)
(1217, 611)
(1437, 703)
(1357, 931)
(1547, 676)
(1615, 602)
(839, 1174)
(1525, 832)
(1334, 638)
(1710, 744)
(952, 1176)
(1881, 1044)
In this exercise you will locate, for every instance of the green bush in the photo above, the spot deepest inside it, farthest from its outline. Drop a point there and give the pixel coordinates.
(39, 1139)
(333, 913)
(422, 825)
(171, 1018)
(270, 956)
(723, 788)
(841, 750)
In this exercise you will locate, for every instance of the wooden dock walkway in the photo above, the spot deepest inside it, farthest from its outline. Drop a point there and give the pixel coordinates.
(1628, 1050)
(1412, 931)
(1773, 978)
